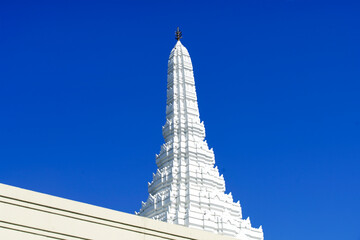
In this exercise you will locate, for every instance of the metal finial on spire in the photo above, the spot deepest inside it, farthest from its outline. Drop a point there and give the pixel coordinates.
(178, 34)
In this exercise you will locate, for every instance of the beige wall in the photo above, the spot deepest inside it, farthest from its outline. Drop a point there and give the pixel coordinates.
(28, 215)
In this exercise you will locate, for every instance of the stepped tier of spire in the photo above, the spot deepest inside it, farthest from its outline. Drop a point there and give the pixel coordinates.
(187, 189)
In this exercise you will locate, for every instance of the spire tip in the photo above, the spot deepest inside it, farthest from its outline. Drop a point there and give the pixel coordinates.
(178, 34)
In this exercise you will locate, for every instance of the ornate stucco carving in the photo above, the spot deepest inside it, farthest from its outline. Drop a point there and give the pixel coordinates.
(187, 189)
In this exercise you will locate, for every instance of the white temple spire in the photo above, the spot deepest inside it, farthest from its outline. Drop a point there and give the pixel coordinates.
(187, 189)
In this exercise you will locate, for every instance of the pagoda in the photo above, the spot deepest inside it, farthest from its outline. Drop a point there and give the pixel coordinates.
(187, 188)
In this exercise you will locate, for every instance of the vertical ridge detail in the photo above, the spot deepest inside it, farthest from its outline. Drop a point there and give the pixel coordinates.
(187, 189)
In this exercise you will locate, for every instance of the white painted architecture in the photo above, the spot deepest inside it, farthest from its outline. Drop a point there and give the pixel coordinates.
(28, 215)
(187, 189)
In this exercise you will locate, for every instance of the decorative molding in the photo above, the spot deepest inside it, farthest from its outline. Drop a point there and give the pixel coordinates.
(30, 215)
(187, 189)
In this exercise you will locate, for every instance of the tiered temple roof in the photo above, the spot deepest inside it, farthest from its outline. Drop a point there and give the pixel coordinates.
(187, 188)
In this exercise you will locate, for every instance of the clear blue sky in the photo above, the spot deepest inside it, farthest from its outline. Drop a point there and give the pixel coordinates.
(83, 90)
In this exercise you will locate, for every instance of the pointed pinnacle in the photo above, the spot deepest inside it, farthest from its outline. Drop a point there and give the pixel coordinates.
(178, 34)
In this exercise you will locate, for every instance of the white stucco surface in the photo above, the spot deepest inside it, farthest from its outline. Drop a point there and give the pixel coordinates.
(187, 188)
(28, 215)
